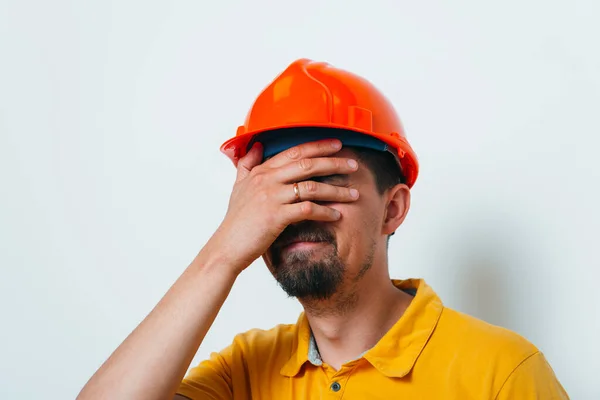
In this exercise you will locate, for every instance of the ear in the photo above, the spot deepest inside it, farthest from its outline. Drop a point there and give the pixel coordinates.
(398, 203)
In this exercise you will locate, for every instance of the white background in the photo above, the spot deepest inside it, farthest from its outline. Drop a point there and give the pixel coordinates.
(111, 179)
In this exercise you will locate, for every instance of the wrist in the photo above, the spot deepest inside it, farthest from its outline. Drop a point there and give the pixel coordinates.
(214, 258)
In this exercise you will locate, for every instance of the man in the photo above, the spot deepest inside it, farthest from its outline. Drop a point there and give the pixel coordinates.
(324, 173)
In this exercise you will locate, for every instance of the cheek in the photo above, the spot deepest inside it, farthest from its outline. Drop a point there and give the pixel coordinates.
(354, 230)
(362, 216)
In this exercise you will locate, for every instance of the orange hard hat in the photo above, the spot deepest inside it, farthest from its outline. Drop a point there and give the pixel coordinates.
(309, 94)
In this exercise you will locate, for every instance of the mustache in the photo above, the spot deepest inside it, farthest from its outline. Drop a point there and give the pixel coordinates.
(306, 231)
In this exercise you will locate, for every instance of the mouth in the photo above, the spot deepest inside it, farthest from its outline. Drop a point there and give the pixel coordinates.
(302, 245)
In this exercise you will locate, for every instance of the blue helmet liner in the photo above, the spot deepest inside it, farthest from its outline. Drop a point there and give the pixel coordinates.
(276, 141)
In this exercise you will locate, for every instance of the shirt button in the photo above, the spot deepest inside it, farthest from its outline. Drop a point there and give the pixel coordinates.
(336, 387)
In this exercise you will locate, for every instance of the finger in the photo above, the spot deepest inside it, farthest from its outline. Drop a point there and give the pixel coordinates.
(307, 210)
(313, 167)
(249, 161)
(317, 191)
(319, 148)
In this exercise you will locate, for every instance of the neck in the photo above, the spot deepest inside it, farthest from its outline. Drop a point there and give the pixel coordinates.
(357, 317)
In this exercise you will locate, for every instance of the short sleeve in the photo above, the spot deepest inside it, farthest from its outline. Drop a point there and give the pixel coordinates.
(211, 379)
(532, 379)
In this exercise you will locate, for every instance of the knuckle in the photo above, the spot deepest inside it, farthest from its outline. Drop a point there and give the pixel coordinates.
(310, 186)
(262, 196)
(292, 153)
(337, 163)
(257, 178)
(306, 208)
(305, 163)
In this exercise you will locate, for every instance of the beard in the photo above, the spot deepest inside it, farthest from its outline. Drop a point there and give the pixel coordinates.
(313, 274)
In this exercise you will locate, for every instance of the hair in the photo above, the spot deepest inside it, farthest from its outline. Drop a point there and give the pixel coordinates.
(383, 166)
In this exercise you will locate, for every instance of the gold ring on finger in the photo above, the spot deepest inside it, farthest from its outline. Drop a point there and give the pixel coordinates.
(297, 192)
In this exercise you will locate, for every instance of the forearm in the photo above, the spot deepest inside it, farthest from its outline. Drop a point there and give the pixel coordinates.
(153, 359)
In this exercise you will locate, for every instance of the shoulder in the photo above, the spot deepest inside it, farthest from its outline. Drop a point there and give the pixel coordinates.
(487, 359)
(251, 353)
(276, 341)
(478, 339)
(532, 379)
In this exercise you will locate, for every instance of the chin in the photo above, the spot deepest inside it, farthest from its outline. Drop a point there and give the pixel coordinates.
(304, 274)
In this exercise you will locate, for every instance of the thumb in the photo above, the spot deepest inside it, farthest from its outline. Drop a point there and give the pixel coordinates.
(249, 161)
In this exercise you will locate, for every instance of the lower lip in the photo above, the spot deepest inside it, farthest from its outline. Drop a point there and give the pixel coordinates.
(303, 245)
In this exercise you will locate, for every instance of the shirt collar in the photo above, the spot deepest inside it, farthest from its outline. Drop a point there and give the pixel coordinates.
(301, 345)
(398, 350)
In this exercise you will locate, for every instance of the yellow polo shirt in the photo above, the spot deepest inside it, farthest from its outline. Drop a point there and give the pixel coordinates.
(432, 352)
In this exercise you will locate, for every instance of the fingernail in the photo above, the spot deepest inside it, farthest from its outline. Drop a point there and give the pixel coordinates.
(336, 213)
(336, 144)
(354, 193)
(352, 163)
